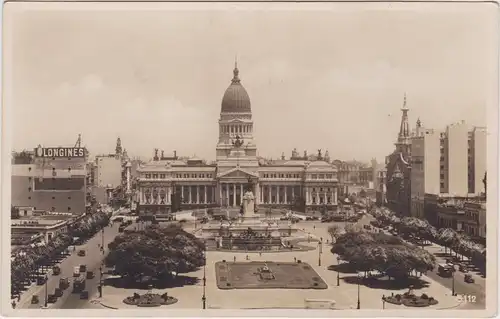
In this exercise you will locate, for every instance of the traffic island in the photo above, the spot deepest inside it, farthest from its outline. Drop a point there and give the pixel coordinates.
(150, 300)
(409, 299)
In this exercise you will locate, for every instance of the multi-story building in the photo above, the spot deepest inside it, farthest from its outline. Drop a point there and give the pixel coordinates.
(425, 170)
(477, 160)
(454, 162)
(50, 179)
(310, 185)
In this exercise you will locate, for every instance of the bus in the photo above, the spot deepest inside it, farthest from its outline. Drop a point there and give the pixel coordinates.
(445, 270)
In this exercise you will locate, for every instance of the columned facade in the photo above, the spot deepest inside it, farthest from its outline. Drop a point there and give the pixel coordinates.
(294, 184)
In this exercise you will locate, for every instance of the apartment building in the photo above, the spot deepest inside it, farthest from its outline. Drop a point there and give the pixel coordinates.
(425, 173)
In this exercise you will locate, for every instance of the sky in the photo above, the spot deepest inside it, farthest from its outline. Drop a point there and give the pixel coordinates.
(324, 76)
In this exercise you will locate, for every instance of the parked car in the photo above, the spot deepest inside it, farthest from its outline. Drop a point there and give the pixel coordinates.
(84, 294)
(58, 292)
(35, 299)
(81, 253)
(52, 299)
(56, 270)
(83, 268)
(63, 283)
(468, 279)
(40, 281)
(90, 274)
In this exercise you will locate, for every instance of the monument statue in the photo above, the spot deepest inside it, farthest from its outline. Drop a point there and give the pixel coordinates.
(248, 204)
(248, 200)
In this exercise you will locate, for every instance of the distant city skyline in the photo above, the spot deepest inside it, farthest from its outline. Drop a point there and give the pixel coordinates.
(156, 78)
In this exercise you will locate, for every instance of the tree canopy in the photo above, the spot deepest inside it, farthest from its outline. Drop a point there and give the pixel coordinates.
(334, 231)
(447, 237)
(155, 251)
(390, 255)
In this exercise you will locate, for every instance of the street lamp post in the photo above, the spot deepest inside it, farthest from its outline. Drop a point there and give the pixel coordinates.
(102, 241)
(338, 273)
(204, 298)
(383, 301)
(359, 282)
(100, 282)
(453, 281)
(46, 290)
(320, 251)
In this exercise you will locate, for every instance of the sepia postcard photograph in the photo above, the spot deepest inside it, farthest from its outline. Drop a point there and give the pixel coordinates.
(250, 159)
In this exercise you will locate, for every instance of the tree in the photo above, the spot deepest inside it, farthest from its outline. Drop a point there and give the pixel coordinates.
(334, 231)
(418, 228)
(377, 251)
(155, 252)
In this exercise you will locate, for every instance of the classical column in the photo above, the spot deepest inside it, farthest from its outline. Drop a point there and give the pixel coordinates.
(270, 193)
(335, 195)
(205, 200)
(278, 194)
(293, 193)
(241, 194)
(198, 188)
(182, 193)
(286, 190)
(221, 202)
(234, 195)
(257, 193)
(140, 196)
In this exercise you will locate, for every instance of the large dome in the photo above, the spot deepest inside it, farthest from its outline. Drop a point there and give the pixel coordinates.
(236, 99)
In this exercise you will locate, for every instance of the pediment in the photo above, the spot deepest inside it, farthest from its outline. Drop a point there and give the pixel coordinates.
(237, 173)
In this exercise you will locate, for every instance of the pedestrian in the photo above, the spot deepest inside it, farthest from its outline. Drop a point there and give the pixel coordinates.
(19, 298)
(295, 259)
(234, 258)
(248, 258)
(260, 253)
(14, 304)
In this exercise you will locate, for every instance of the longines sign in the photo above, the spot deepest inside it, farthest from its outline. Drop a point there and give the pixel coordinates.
(60, 152)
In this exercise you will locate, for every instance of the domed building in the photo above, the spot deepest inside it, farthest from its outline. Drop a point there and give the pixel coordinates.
(296, 183)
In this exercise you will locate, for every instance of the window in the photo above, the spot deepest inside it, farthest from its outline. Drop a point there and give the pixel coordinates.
(53, 197)
(148, 175)
(162, 175)
(69, 169)
(69, 209)
(69, 197)
(29, 197)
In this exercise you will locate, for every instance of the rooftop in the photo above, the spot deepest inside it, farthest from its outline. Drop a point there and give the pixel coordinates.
(40, 219)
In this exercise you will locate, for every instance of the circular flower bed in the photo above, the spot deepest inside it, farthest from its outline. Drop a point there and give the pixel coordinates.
(150, 300)
(411, 300)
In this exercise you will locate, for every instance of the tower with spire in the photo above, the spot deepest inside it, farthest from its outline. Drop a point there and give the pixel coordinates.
(404, 138)
(118, 149)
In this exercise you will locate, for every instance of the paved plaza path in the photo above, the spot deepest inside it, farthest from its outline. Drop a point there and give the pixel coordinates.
(344, 295)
